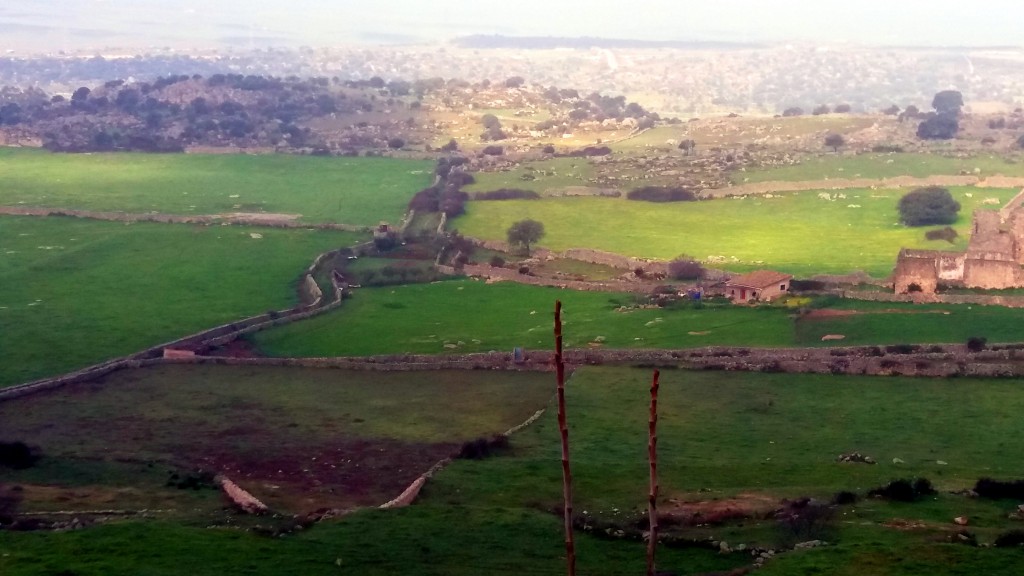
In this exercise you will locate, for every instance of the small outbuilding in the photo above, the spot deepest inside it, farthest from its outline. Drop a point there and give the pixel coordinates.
(761, 285)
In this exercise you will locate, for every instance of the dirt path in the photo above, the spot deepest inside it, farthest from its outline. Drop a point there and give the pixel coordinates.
(843, 183)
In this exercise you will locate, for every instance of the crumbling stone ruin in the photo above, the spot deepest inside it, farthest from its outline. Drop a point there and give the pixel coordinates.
(993, 258)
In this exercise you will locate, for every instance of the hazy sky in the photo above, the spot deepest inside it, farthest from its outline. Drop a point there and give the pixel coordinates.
(92, 23)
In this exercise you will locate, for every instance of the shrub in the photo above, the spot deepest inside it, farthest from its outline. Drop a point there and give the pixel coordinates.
(804, 520)
(929, 205)
(493, 150)
(948, 234)
(591, 151)
(804, 285)
(497, 261)
(685, 268)
(396, 143)
(976, 343)
(794, 111)
(1010, 539)
(903, 490)
(997, 490)
(17, 455)
(902, 348)
(914, 287)
(662, 194)
(507, 194)
(193, 480)
(844, 498)
(451, 146)
(483, 448)
(886, 148)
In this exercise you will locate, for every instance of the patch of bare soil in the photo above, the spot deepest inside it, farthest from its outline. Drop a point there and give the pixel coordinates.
(346, 473)
(723, 510)
(239, 348)
(268, 218)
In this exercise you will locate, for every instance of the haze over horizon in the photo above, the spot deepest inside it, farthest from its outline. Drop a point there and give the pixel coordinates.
(27, 25)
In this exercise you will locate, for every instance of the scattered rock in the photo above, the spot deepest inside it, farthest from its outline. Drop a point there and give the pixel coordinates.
(856, 457)
(897, 461)
(960, 520)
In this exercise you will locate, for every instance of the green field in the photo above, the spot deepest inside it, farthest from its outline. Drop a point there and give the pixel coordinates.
(883, 166)
(547, 175)
(468, 316)
(360, 437)
(796, 232)
(75, 292)
(471, 316)
(360, 191)
(723, 435)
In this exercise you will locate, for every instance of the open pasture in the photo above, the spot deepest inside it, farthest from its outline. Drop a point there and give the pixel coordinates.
(76, 292)
(357, 191)
(471, 316)
(746, 441)
(890, 165)
(298, 439)
(543, 177)
(798, 232)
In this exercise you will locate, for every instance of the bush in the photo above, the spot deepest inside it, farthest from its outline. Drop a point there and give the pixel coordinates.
(396, 143)
(903, 490)
(948, 234)
(591, 151)
(804, 520)
(507, 194)
(1010, 539)
(805, 285)
(17, 455)
(794, 111)
(844, 498)
(976, 343)
(483, 448)
(193, 480)
(926, 206)
(497, 261)
(662, 194)
(902, 348)
(493, 150)
(685, 268)
(997, 490)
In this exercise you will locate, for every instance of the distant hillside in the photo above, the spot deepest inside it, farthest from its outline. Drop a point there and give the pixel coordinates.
(550, 42)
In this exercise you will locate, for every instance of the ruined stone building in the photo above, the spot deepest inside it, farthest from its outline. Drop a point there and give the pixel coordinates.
(993, 258)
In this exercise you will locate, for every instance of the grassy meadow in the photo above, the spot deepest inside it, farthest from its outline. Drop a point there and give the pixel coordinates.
(471, 316)
(883, 166)
(359, 191)
(547, 175)
(76, 292)
(795, 232)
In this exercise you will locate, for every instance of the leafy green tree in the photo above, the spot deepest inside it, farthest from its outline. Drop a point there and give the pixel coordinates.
(835, 141)
(927, 206)
(525, 232)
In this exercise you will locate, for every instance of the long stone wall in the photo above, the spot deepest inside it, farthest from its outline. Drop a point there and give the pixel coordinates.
(254, 219)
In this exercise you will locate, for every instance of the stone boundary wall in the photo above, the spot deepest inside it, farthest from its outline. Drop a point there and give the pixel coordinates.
(921, 298)
(755, 188)
(256, 219)
(508, 275)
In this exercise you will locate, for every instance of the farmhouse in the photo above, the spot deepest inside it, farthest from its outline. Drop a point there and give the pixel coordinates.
(993, 258)
(760, 285)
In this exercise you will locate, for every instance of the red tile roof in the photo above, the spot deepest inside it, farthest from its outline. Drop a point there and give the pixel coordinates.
(760, 279)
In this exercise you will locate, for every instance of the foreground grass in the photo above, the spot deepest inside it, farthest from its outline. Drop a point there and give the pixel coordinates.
(884, 166)
(778, 434)
(424, 540)
(798, 233)
(75, 292)
(359, 191)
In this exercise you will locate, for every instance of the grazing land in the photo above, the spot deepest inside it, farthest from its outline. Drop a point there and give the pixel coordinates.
(884, 166)
(470, 316)
(799, 232)
(748, 438)
(298, 439)
(76, 291)
(544, 176)
(356, 191)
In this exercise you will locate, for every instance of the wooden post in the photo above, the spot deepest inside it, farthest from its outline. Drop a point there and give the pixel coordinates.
(563, 428)
(652, 456)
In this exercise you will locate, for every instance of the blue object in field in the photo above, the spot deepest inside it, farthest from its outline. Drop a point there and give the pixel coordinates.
(518, 355)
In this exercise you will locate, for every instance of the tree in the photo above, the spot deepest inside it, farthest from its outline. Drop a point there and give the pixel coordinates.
(396, 143)
(794, 111)
(685, 268)
(514, 82)
(81, 95)
(823, 109)
(891, 110)
(835, 141)
(525, 232)
(938, 127)
(842, 109)
(490, 121)
(927, 206)
(948, 102)
(687, 146)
